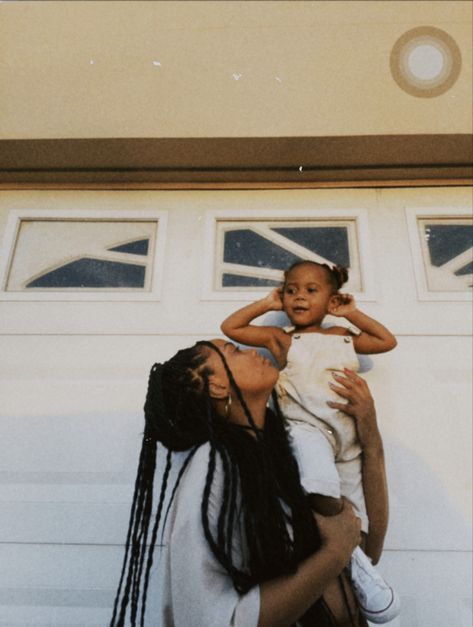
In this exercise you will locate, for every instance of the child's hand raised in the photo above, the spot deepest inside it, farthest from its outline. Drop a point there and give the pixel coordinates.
(274, 299)
(342, 305)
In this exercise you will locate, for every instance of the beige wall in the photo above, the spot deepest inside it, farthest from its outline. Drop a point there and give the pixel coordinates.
(307, 69)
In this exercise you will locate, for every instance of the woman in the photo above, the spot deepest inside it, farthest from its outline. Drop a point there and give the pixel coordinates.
(239, 545)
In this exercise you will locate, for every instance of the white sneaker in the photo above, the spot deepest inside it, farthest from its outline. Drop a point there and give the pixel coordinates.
(378, 601)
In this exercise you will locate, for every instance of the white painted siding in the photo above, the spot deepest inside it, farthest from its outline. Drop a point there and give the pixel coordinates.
(73, 378)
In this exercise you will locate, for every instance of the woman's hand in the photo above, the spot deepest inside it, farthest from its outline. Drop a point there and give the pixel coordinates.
(359, 404)
(285, 599)
(340, 533)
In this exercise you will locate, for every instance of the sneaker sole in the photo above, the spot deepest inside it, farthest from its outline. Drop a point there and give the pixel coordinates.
(389, 612)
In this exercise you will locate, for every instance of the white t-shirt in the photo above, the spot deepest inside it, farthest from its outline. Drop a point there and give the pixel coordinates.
(188, 586)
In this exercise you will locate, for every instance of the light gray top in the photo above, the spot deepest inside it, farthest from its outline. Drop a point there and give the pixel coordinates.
(188, 586)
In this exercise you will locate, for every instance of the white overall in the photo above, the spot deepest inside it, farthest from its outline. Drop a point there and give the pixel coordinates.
(329, 465)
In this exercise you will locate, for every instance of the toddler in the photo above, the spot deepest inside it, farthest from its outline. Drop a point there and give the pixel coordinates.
(309, 357)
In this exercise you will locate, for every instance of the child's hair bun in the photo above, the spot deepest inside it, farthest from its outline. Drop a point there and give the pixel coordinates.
(340, 275)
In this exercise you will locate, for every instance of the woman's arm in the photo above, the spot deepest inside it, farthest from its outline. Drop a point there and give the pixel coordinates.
(284, 600)
(197, 589)
(376, 498)
(360, 405)
(374, 338)
(237, 326)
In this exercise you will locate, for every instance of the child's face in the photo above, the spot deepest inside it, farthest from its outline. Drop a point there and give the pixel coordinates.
(306, 296)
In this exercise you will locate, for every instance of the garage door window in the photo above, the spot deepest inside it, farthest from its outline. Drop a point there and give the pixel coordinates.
(75, 257)
(443, 253)
(251, 255)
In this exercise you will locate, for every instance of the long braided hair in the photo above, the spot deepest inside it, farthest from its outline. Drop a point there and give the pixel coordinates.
(262, 497)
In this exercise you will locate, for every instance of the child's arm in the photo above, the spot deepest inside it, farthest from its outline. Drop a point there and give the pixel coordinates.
(237, 327)
(374, 337)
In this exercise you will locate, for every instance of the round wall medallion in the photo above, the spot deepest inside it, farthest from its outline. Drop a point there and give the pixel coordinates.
(425, 61)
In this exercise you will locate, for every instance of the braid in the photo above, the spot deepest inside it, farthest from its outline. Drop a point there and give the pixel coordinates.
(128, 538)
(220, 547)
(261, 498)
(234, 386)
(133, 543)
(149, 562)
(225, 502)
(162, 425)
(176, 485)
(233, 478)
(267, 473)
(141, 552)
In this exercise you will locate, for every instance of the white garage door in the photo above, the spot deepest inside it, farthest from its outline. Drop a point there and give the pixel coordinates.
(96, 286)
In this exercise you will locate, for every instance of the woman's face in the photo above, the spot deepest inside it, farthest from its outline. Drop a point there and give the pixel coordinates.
(253, 374)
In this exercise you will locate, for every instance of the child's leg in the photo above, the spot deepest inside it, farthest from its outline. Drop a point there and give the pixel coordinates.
(316, 460)
(325, 505)
(319, 475)
(351, 487)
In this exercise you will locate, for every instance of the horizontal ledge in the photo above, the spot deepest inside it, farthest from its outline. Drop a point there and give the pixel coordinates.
(237, 159)
(218, 169)
(236, 152)
(236, 175)
(239, 185)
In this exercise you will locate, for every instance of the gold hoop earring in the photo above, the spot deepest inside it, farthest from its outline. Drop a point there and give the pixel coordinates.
(228, 405)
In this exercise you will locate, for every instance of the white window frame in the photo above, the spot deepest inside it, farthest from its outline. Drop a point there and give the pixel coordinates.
(284, 215)
(413, 215)
(16, 216)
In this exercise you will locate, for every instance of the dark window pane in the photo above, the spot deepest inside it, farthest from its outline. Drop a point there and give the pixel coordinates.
(92, 273)
(139, 247)
(330, 242)
(250, 249)
(235, 280)
(446, 241)
(468, 269)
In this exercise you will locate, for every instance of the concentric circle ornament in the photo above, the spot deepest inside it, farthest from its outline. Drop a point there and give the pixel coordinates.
(425, 61)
